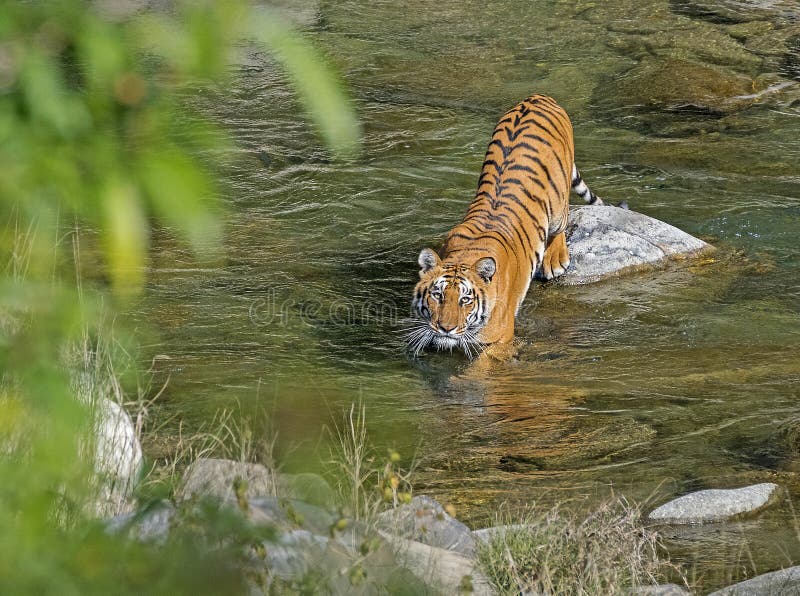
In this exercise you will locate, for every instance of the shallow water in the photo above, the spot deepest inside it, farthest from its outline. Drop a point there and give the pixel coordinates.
(648, 386)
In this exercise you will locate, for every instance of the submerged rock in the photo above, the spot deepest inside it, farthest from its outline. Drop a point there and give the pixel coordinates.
(606, 240)
(783, 582)
(425, 520)
(576, 444)
(738, 11)
(678, 85)
(714, 505)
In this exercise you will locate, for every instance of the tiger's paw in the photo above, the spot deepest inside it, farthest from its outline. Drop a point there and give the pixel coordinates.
(494, 354)
(556, 258)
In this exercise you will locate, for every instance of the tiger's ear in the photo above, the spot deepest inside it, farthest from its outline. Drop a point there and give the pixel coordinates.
(427, 260)
(486, 268)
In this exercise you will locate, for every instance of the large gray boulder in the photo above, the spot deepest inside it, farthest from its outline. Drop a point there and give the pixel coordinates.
(604, 240)
(148, 525)
(113, 445)
(295, 553)
(117, 458)
(425, 520)
(443, 569)
(714, 505)
(290, 514)
(785, 582)
(209, 477)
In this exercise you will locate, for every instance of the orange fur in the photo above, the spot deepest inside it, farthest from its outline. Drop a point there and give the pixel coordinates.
(515, 222)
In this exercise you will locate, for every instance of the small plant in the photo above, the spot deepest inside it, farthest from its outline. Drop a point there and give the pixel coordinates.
(395, 481)
(554, 552)
(366, 486)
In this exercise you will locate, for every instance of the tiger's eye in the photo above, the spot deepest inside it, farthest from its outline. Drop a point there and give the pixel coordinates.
(436, 295)
(465, 300)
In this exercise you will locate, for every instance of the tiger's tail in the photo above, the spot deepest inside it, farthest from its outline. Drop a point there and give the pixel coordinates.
(579, 186)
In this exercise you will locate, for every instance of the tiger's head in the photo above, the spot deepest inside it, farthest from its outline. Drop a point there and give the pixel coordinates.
(451, 304)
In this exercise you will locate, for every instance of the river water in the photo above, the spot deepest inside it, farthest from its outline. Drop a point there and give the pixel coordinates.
(647, 386)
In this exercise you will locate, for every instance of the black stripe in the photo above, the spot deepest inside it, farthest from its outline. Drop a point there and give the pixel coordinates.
(481, 304)
(528, 146)
(521, 227)
(513, 134)
(535, 137)
(503, 220)
(492, 216)
(561, 167)
(549, 178)
(557, 113)
(503, 148)
(466, 249)
(521, 168)
(534, 220)
(487, 235)
(536, 181)
(543, 127)
(555, 153)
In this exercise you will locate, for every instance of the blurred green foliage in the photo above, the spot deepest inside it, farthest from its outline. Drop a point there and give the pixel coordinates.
(93, 135)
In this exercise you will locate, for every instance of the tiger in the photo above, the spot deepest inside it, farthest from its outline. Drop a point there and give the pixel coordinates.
(469, 292)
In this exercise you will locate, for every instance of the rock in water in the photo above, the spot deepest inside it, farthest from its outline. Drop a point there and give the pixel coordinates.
(606, 240)
(714, 505)
(785, 581)
(426, 521)
(676, 85)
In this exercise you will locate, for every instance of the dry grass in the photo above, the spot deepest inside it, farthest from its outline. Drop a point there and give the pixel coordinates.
(228, 435)
(554, 552)
(366, 483)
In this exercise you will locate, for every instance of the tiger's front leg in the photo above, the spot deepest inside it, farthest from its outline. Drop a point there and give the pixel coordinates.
(556, 257)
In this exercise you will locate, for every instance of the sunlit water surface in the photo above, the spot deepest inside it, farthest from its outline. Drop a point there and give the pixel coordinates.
(649, 386)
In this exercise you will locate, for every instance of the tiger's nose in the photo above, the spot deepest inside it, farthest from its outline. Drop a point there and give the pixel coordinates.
(445, 330)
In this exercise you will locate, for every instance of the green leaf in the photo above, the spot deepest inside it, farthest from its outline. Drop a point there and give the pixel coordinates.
(49, 102)
(125, 236)
(182, 195)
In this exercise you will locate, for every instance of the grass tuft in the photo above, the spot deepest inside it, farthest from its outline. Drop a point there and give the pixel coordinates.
(367, 484)
(229, 435)
(554, 552)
